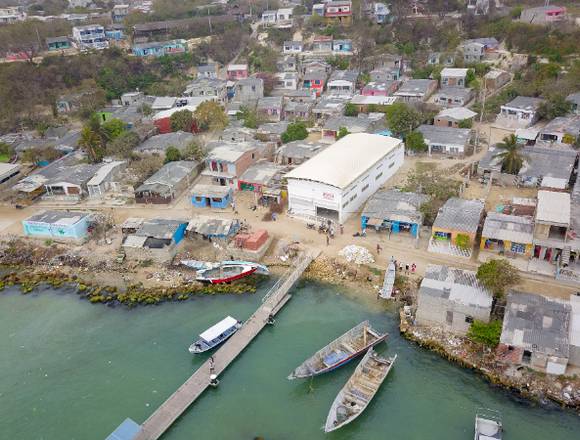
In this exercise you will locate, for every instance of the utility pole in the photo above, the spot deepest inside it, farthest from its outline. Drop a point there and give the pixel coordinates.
(484, 91)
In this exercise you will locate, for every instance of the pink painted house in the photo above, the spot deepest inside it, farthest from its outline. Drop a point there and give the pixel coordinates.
(236, 72)
(380, 88)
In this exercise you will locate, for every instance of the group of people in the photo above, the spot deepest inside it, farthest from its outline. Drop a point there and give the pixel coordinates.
(401, 266)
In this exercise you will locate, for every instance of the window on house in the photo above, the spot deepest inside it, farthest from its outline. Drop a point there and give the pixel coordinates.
(449, 318)
(378, 176)
(469, 319)
(364, 188)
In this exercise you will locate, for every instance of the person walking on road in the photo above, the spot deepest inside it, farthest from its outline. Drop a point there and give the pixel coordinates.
(378, 249)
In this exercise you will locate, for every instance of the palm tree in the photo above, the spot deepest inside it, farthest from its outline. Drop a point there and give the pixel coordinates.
(510, 154)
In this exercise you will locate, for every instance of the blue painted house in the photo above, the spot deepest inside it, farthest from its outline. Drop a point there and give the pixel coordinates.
(342, 46)
(59, 225)
(114, 34)
(394, 212)
(214, 196)
(160, 48)
(58, 43)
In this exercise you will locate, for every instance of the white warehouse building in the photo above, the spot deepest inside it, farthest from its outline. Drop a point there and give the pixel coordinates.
(338, 181)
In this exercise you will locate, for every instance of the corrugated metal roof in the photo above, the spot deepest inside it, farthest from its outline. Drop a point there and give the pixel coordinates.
(346, 160)
(460, 215)
(508, 228)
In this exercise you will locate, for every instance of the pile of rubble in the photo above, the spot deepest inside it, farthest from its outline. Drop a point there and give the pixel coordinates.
(356, 254)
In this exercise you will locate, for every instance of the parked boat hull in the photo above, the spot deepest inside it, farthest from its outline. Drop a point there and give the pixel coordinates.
(304, 370)
(354, 398)
(227, 279)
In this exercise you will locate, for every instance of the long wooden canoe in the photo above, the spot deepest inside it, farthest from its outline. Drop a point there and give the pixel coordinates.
(360, 389)
(340, 351)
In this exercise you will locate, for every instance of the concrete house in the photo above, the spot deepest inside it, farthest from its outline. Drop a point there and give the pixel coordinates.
(209, 71)
(416, 90)
(159, 48)
(271, 108)
(390, 68)
(286, 81)
(208, 87)
(292, 47)
(453, 96)
(155, 239)
(328, 107)
(453, 117)
(58, 43)
(249, 90)
(394, 211)
(456, 226)
(167, 183)
(521, 112)
(227, 161)
(105, 179)
(206, 227)
(235, 72)
(214, 196)
(552, 224)
(90, 37)
(342, 82)
(380, 88)
(453, 77)
(560, 132)
(272, 131)
(314, 81)
(574, 99)
(478, 49)
(322, 43)
(509, 235)
(535, 333)
(451, 299)
(547, 168)
(446, 140)
(297, 152)
(294, 111)
(353, 124)
(337, 181)
(264, 179)
(544, 15)
(496, 79)
(366, 104)
(58, 225)
(287, 63)
(159, 143)
(69, 182)
(338, 12)
(342, 47)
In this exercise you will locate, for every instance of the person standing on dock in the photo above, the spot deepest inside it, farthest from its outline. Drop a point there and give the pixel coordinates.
(211, 365)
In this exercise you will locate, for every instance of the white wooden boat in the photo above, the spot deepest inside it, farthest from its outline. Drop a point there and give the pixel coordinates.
(386, 291)
(360, 389)
(225, 274)
(215, 335)
(340, 351)
(488, 425)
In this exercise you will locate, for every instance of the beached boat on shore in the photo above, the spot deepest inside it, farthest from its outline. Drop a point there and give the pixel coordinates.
(360, 389)
(488, 425)
(215, 335)
(340, 351)
(386, 291)
(224, 271)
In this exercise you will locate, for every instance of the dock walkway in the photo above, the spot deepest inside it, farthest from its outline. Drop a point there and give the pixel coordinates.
(186, 394)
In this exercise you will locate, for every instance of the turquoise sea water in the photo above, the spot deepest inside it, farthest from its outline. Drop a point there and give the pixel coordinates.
(72, 370)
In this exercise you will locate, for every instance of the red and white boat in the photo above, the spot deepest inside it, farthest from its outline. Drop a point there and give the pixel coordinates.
(225, 273)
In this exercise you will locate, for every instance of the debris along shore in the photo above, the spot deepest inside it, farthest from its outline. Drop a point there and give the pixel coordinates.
(530, 384)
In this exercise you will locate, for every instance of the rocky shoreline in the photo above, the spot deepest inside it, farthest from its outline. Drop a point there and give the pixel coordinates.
(529, 384)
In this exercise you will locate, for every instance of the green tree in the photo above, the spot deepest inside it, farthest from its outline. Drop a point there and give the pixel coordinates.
(466, 123)
(172, 154)
(113, 128)
(555, 106)
(414, 141)
(146, 109)
(485, 333)
(6, 151)
(209, 115)
(123, 145)
(296, 131)
(509, 152)
(350, 110)
(498, 275)
(462, 241)
(470, 77)
(194, 151)
(181, 121)
(249, 116)
(401, 118)
(92, 143)
(342, 132)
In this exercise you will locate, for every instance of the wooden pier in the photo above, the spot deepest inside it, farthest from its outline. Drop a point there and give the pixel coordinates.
(186, 394)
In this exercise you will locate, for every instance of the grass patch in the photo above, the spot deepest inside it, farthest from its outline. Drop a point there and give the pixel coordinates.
(4, 157)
